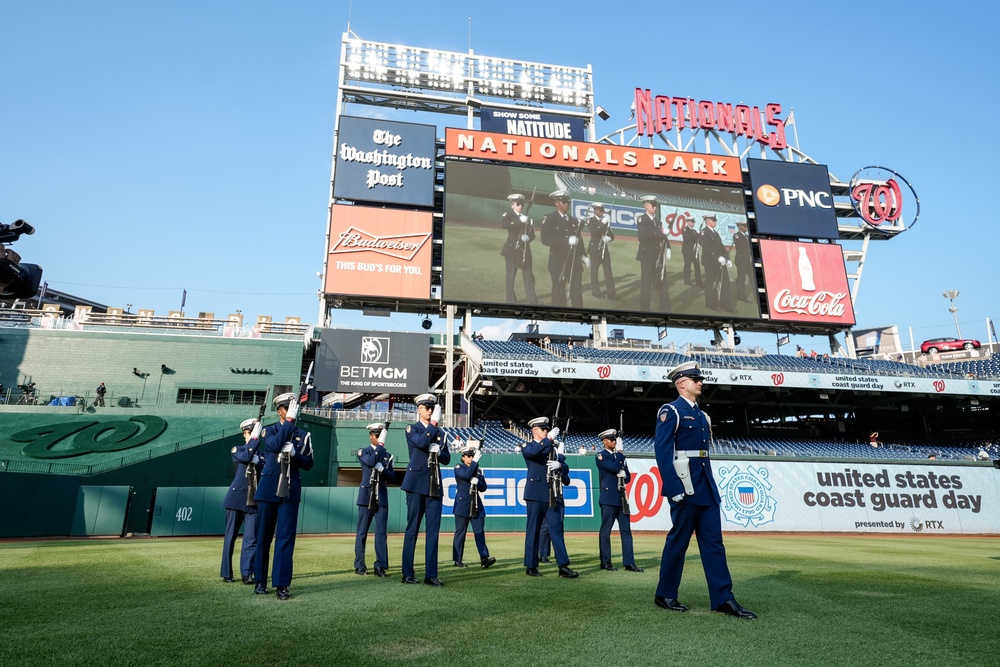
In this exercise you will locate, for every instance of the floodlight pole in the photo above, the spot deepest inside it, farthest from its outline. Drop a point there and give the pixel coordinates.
(951, 295)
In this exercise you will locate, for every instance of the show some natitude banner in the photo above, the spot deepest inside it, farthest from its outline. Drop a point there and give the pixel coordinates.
(379, 252)
(786, 496)
(806, 282)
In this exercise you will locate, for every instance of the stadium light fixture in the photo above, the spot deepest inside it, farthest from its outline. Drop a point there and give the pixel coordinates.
(602, 113)
(951, 295)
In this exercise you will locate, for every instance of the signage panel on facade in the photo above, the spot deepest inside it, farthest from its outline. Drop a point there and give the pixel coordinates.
(806, 282)
(379, 252)
(792, 199)
(384, 161)
(372, 362)
(504, 495)
(532, 123)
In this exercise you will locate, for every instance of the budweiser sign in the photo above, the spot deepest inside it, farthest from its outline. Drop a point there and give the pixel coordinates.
(806, 282)
(400, 246)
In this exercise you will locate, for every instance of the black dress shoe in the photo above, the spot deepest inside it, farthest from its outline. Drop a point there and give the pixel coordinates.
(733, 608)
(228, 580)
(532, 572)
(283, 593)
(633, 568)
(567, 573)
(459, 563)
(380, 572)
(487, 561)
(261, 589)
(673, 604)
(360, 570)
(433, 581)
(410, 580)
(544, 560)
(248, 580)
(608, 566)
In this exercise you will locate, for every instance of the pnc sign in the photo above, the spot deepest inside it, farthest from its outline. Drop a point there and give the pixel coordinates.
(792, 199)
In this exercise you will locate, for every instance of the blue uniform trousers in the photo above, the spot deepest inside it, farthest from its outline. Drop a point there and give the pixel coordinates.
(234, 520)
(707, 523)
(276, 521)
(544, 541)
(610, 514)
(365, 517)
(417, 507)
(478, 530)
(536, 516)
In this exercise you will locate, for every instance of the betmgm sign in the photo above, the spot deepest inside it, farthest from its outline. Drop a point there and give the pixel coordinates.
(352, 361)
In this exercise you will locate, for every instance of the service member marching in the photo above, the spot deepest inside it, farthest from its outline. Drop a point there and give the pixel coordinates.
(288, 450)
(428, 451)
(516, 249)
(373, 500)
(652, 255)
(599, 226)
(470, 484)
(683, 437)
(615, 475)
(240, 512)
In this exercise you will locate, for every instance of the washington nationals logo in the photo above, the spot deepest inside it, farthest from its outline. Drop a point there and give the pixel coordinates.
(63, 440)
(603, 372)
(745, 498)
(645, 490)
(939, 386)
(778, 379)
(878, 198)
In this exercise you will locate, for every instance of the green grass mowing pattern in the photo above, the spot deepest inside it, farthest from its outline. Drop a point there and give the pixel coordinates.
(821, 600)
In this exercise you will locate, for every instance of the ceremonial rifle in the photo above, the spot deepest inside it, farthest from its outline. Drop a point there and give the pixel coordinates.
(622, 490)
(253, 475)
(285, 458)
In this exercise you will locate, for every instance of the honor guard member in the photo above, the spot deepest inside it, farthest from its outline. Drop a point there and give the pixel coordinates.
(715, 259)
(653, 253)
(246, 463)
(428, 452)
(516, 250)
(567, 254)
(373, 500)
(744, 263)
(683, 435)
(613, 468)
(599, 226)
(540, 459)
(288, 449)
(689, 249)
(470, 484)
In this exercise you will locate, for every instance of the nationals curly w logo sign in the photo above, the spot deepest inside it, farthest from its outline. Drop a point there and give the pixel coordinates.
(58, 441)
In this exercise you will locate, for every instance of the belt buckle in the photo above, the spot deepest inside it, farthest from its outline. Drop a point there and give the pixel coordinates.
(703, 453)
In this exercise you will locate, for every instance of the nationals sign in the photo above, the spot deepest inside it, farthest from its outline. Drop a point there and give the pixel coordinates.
(806, 282)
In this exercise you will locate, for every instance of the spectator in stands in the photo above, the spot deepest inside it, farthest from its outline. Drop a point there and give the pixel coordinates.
(373, 500)
(101, 391)
(469, 508)
(547, 341)
(288, 449)
(813, 354)
(614, 473)
(599, 226)
(932, 457)
(516, 250)
(983, 455)
(240, 506)
(683, 435)
(569, 344)
(424, 438)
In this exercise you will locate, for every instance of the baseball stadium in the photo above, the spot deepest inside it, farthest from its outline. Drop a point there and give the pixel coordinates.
(860, 490)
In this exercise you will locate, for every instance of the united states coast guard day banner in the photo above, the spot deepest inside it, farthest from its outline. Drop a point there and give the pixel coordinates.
(786, 496)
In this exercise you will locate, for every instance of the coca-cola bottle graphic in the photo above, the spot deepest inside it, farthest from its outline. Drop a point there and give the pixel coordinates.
(806, 271)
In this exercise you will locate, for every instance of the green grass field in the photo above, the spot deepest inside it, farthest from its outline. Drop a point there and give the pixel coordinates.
(821, 600)
(476, 273)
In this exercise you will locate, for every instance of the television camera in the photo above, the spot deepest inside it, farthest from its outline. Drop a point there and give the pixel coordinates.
(17, 280)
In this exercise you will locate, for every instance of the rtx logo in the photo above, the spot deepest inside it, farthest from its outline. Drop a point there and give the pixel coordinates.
(900, 384)
(770, 196)
(740, 377)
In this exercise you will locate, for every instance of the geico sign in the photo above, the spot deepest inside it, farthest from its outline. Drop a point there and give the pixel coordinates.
(504, 495)
(769, 196)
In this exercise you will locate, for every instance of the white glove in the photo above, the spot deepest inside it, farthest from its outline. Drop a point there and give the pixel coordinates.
(621, 473)
(255, 433)
(729, 263)
(679, 497)
(478, 455)
(293, 411)
(722, 261)
(525, 238)
(436, 414)
(287, 449)
(606, 219)
(435, 448)
(553, 465)
(571, 240)
(524, 220)
(379, 466)
(667, 254)
(255, 460)
(586, 261)
(619, 445)
(560, 448)
(475, 481)
(606, 239)
(554, 433)
(382, 436)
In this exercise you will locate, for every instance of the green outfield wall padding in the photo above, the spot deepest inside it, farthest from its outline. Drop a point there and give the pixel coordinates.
(100, 510)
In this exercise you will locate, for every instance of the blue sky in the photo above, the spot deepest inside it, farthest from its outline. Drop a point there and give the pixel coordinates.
(183, 145)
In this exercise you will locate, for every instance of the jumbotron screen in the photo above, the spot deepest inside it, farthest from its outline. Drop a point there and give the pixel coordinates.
(613, 243)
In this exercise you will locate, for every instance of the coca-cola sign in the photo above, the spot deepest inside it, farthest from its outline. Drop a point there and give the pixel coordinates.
(806, 282)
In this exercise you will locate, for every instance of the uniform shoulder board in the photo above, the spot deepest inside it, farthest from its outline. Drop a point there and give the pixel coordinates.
(234, 449)
(408, 427)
